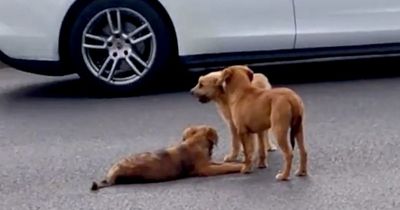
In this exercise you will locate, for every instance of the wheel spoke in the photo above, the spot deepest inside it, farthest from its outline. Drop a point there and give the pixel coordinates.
(103, 45)
(95, 37)
(103, 67)
(133, 55)
(118, 21)
(111, 24)
(133, 66)
(112, 70)
(93, 46)
(137, 30)
(140, 39)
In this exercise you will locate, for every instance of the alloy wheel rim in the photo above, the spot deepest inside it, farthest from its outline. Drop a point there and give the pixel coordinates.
(118, 46)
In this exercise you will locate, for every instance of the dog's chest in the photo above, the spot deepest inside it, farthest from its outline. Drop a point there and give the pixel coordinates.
(224, 112)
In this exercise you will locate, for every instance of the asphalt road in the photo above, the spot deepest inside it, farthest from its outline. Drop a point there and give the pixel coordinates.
(55, 139)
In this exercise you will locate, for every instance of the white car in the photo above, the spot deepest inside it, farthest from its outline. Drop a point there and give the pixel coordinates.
(123, 44)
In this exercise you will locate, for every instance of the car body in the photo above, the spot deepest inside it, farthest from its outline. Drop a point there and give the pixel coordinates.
(208, 33)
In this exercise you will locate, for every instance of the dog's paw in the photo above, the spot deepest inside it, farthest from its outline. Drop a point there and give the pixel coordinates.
(301, 173)
(231, 158)
(246, 169)
(271, 148)
(262, 164)
(281, 177)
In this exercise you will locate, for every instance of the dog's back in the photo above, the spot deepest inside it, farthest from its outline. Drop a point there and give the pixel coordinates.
(296, 108)
(293, 98)
(161, 165)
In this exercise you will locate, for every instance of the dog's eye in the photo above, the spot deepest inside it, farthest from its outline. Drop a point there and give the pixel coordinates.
(200, 85)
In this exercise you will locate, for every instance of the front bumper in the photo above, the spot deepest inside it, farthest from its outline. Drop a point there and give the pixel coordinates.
(48, 68)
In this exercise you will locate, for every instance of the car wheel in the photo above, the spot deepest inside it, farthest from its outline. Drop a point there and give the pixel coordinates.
(120, 45)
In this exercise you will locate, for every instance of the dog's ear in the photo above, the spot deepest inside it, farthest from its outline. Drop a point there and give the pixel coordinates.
(249, 73)
(187, 132)
(225, 75)
(200, 78)
(212, 136)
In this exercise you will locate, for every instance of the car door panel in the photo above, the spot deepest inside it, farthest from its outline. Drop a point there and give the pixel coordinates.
(326, 23)
(25, 24)
(210, 26)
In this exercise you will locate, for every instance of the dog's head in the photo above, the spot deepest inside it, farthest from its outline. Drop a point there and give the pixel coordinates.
(202, 135)
(207, 87)
(261, 81)
(234, 76)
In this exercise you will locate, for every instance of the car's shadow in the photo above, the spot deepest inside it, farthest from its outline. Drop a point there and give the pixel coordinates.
(72, 87)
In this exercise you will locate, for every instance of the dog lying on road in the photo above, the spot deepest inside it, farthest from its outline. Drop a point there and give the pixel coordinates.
(207, 90)
(254, 110)
(191, 157)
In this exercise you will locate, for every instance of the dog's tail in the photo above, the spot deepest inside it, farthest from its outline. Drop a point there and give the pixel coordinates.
(102, 184)
(296, 127)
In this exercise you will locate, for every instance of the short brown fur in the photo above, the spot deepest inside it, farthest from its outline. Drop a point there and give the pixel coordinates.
(207, 90)
(191, 157)
(254, 110)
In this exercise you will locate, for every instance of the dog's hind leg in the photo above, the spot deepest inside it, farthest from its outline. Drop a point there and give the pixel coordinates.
(102, 184)
(302, 171)
(269, 145)
(110, 179)
(281, 136)
(280, 127)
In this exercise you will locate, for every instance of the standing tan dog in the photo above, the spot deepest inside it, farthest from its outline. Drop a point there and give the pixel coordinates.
(255, 110)
(191, 157)
(207, 90)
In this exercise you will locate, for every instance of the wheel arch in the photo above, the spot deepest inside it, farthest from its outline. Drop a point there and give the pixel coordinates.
(78, 5)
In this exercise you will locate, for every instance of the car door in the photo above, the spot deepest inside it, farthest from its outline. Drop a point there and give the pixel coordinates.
(210, 26)
(329, 23)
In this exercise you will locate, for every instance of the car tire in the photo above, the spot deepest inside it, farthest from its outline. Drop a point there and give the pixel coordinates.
(94, 51)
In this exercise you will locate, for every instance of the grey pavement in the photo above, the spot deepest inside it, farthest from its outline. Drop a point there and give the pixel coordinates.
(2, 65)
(54, 141)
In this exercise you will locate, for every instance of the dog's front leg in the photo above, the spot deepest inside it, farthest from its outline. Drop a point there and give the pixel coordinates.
(247, 140)
(213, 169)
(262, 155)
(235, 145)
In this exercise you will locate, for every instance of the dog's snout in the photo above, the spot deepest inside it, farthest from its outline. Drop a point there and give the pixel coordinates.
(192, 91)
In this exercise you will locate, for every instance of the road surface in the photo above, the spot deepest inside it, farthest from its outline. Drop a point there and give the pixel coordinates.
(55, 140)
